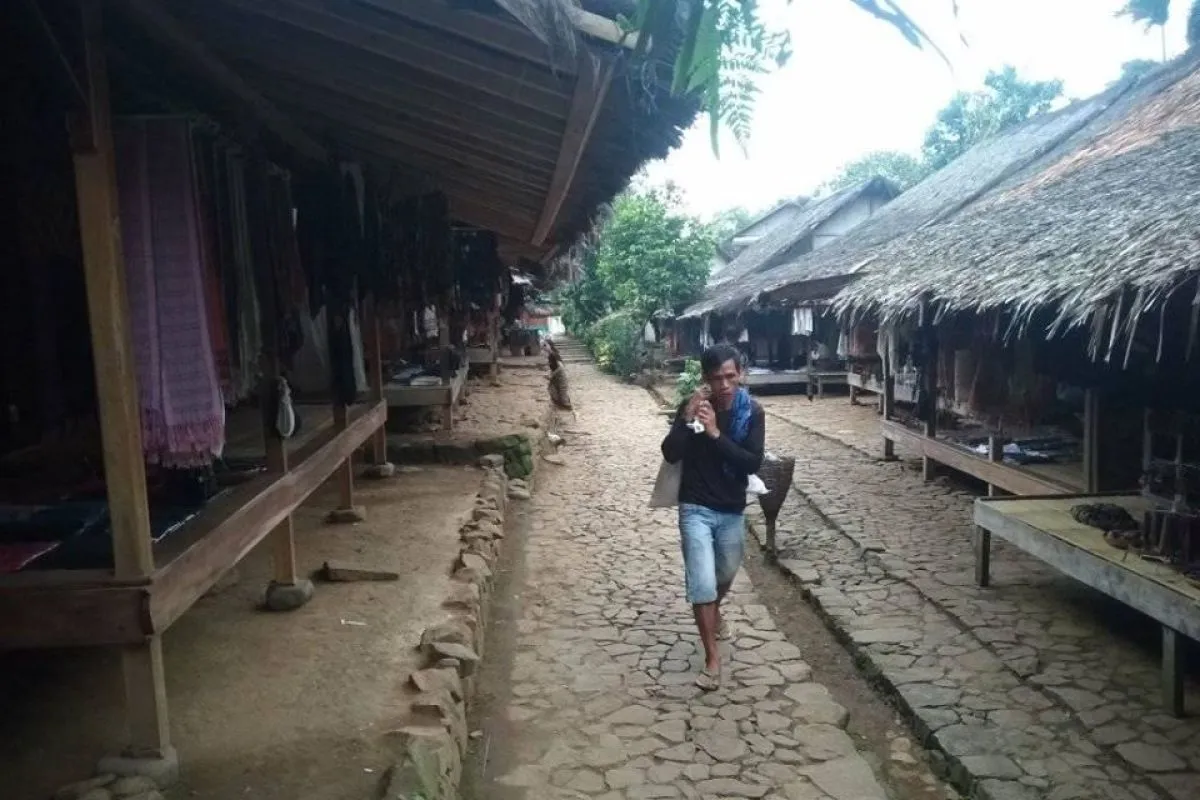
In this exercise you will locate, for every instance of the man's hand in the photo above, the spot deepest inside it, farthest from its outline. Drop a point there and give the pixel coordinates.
(708, 418)
(699, 397)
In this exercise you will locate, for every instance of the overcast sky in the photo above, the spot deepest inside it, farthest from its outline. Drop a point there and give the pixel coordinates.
(854, 85)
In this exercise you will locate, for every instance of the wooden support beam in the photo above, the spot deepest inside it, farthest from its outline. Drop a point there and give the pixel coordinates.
(168, 31)
(283, 536)
(983, 557)
(995, 456)
(887, 405)
(233, 524)
(447, 377)
(590, 90)
(1173, 672)
(66, 615)
(374, 336)
(929, 376)
(1091, 440)
(116, 385)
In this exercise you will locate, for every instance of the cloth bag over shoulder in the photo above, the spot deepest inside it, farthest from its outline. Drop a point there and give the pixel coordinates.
(666, 485)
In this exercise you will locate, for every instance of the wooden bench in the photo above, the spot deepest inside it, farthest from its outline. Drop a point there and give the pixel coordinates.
(1044, 528)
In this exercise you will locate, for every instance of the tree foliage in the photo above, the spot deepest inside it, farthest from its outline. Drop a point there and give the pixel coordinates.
(1136, 68)
(647, 256)
(902, 169)
(729, 222)
(651, 256)
(971, 117)
(1149, 12)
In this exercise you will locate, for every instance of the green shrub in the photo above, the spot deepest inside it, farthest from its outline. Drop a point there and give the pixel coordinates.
(616, 342)
(688, 381)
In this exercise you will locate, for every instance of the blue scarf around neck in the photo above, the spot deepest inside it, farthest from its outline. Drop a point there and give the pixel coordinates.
(740, 415)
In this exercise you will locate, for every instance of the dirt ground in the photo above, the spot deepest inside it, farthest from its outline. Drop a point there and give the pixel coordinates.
(264, 706)
(516, 404)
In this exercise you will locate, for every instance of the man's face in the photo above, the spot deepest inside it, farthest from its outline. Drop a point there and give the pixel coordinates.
(724, 380)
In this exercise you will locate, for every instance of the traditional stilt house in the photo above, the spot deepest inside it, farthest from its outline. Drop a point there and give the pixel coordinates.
(1053, 332)
(189, 186)
(785, 345)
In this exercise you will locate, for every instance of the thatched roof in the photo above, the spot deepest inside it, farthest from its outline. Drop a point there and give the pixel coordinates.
(1117, 211)
(781, 244)
(940, 196)
(506, 107)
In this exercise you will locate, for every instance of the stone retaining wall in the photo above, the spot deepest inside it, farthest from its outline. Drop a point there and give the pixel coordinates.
(434, 738)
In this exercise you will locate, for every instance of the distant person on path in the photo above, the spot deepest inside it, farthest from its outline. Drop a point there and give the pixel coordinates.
(712, 491)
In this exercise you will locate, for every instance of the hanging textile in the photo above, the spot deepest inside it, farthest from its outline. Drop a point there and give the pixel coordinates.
(802, 322)
(248, 325)
(706, 339)
(210, 250)
(183, 421)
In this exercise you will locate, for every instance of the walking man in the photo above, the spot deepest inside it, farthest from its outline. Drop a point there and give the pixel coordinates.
(712, 491)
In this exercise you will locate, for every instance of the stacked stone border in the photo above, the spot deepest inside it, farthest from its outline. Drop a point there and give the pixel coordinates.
(432, 743)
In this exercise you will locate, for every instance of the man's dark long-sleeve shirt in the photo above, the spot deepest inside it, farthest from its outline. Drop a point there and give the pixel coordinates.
(705, 480)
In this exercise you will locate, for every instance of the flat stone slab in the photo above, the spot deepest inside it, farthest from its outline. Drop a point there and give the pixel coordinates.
(846, 779)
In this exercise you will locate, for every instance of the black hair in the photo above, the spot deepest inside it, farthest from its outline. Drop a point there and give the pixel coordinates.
(715, 357)
(554, 359)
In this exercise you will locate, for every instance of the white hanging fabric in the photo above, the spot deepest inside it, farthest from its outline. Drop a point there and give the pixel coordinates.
(802, 322)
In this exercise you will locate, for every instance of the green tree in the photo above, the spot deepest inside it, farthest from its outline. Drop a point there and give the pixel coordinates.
(1136, 68)
(971, 117)
(902, 169)
(728, 222)
(651, 256)
(1154, 13)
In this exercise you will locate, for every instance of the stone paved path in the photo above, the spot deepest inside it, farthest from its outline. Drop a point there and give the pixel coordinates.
(602, 701)
(1037, 686)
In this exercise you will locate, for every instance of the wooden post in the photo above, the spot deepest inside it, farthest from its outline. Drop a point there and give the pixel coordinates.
(375, 376)
(929, 376)
(995, 455)
(447, 378)
(1172, 672)
(983, 556)
(283, 538)
(116, 384)
(346, 512)
(494, 345)
(888, 405)
(1091, 440)
(341, 415)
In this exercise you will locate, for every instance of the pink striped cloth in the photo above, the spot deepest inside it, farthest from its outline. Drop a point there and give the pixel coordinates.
(183, 417)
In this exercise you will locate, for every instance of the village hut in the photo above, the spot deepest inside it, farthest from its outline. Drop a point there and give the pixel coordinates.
(232, 172)
(774, 343)
(1053, 329)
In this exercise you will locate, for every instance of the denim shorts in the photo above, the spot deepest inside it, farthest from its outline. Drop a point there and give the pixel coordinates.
(712, 550)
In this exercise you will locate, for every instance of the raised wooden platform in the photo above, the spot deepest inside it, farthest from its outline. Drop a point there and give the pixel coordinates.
(783, 377)
(904, 393)
(1008, 478)
(91, 607)
(1044, 528)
